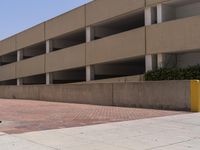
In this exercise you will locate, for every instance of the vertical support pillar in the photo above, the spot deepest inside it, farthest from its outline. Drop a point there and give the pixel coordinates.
(161, 60)
(19, 81)
(90, 72)
(49, 48)
(19, 55)
(89, 34)
(150, 16)
(19, 58)
(150, 59)
(165, 13)
(159, 13)
(150, 62)
(49, 78)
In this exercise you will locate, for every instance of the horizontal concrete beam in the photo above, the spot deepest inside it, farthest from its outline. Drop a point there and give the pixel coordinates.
(31, 36)
(30, 67)
(101, 10)
(173, 36)
(8, 72)
(8, 45)
(128, 44)
(154, 2)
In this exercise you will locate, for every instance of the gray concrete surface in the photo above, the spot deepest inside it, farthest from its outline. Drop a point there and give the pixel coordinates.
(173, 95)
(180, 132)
(156, 94)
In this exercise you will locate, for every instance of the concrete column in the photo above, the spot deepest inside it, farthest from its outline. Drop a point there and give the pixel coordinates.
(19, 81)
(49, 48)
(150, 62)
(19, 55)
(49, 78)
(150, 16)
(89, 34)
(90, 73)
(165, 13)
(150, 59)
(159, 13)
(19, 58)
(166, 60)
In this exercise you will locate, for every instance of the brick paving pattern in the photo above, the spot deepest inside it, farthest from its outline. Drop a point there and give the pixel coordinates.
(21, 116)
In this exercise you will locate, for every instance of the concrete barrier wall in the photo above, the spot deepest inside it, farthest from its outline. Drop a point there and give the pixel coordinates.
(163, 95)
(100, 94)
(173, 95)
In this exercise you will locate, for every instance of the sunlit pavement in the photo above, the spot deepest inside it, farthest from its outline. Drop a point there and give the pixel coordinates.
(179, 132)
(27, 124)
(21, 116)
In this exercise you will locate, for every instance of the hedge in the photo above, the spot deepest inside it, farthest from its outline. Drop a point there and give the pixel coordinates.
(189, 73)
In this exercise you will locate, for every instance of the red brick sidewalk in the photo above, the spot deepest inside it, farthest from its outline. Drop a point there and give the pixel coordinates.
(24, 116)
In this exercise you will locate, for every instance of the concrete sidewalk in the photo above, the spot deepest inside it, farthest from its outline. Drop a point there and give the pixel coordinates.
(180, 132)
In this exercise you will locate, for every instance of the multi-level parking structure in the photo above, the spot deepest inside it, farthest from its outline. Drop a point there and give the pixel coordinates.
(104, 39)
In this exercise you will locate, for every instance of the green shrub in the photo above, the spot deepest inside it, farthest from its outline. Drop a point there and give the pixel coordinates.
(192, 72)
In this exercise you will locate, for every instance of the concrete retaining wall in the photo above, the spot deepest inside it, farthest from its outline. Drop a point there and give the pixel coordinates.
(162, 95)
(100, 94)
(165, 94)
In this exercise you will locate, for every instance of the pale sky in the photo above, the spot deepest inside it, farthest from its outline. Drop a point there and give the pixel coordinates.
(18, 15)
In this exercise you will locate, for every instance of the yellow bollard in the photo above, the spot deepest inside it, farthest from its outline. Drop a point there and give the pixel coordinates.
(195, 95)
